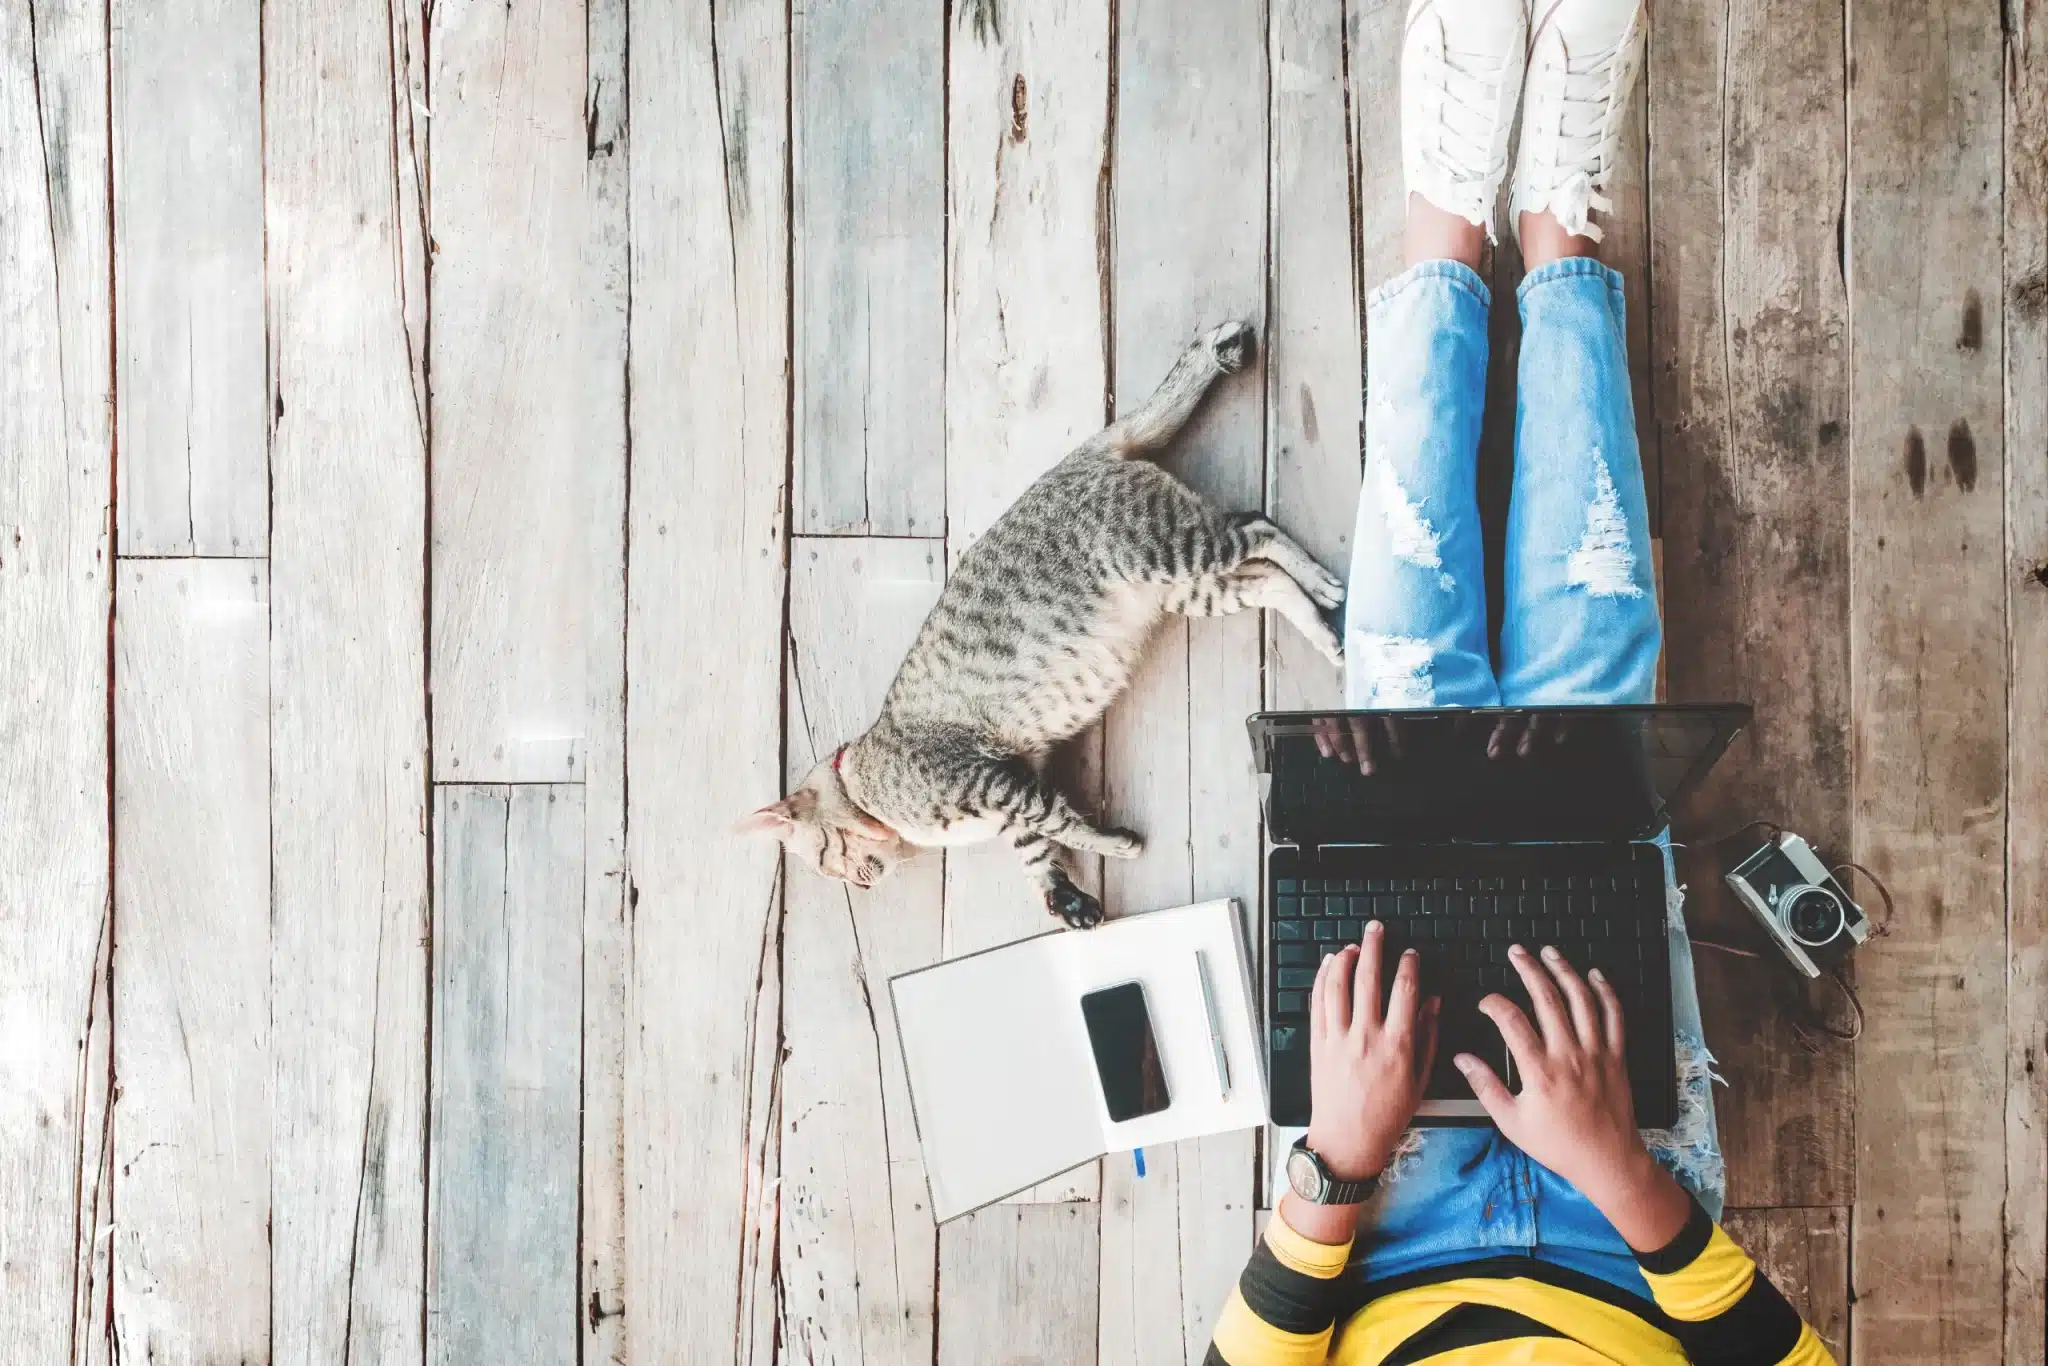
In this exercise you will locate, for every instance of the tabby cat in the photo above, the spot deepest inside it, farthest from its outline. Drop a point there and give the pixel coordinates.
(1038, 630)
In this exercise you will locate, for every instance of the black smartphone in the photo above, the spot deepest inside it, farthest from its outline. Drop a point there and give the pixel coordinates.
(1126, 1053)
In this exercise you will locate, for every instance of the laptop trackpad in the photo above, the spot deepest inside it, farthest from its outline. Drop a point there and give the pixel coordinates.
(1461, 1029)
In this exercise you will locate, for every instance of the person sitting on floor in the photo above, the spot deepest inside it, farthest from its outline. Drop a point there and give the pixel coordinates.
(1555, 1235)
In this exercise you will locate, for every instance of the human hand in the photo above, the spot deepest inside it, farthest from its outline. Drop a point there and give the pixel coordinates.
(1366, 1067)
(1521, 736)
(1574, 1114)
(1367, 741)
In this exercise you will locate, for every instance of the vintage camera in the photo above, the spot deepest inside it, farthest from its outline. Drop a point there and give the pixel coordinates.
(1808, 914)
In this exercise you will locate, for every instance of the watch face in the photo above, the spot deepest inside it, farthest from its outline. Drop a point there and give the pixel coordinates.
(1302, 1174)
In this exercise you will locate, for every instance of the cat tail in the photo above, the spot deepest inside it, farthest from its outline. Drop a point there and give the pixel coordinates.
(1149, 428)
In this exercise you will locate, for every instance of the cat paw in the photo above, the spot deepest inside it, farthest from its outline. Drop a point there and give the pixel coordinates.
(1080, 910)
(1233, 344)
(1121, 843)
(1327, 642)
(1325, 589)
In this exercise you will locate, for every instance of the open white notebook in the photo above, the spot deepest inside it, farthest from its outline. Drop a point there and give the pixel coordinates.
(1002, 1076)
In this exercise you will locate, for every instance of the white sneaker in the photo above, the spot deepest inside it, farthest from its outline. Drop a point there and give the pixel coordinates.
(1461, 74)
(1583, 60)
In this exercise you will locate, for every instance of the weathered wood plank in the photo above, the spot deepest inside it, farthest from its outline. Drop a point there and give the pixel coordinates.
(1020, 1283)
(1313, 360)
(1805, 1252)
(1927, 667)
(188, 277)
(348, 687)
(858, 1250)
(1028, 110)
(56, 582)
(2026, 553)
(1374, 56)
(502, 1163)
(520, 499)
(1752, 396)
(1314, 335)
(868, 101)
(1627, 248)
(192, 980)
(710, 232)
(607, 933)
(1189, 187)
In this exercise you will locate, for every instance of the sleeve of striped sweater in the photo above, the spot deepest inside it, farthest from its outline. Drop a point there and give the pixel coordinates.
(1723, 1311)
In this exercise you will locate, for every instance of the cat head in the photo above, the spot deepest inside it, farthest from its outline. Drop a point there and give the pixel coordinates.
(824, 827)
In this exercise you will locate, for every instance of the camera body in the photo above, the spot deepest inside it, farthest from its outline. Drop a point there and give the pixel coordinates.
(1808, 914)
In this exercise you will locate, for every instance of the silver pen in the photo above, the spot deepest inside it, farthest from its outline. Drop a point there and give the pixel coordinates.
(1215, 1025)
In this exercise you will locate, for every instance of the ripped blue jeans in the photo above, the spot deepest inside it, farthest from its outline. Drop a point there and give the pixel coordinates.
(1580, 627)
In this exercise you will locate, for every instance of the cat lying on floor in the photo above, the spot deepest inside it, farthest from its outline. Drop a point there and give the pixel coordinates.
(1038, 630)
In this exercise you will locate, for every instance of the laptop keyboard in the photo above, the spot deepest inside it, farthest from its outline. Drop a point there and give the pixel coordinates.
(1461, 907)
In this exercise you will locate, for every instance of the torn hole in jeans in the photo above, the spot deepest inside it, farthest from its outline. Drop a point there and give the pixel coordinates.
(1604, 564)
(1398, 670)
(1687, 1149)
(1402, 1160)
(1411, 537)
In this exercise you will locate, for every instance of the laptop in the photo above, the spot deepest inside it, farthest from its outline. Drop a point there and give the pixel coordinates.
(1464, 832)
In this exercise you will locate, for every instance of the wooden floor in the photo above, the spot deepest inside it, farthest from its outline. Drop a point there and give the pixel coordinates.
(455, 460)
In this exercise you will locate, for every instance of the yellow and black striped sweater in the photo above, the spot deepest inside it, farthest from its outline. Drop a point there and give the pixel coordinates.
(1293, 1307)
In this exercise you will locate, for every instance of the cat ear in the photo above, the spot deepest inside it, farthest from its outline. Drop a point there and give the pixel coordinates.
(777, 819)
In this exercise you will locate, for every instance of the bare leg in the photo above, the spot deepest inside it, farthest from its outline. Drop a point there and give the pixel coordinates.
(1544, 240)
(1434, 234)
(1222, 351)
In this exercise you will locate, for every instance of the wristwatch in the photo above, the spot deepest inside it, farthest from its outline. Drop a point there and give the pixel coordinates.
(1309, 1177)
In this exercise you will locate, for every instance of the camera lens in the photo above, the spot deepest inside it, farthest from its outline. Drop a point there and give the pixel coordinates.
(1813, 915)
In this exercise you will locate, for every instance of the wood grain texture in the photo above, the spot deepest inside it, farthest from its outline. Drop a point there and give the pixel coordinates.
(56, 585)
(1314, 334)
(2026, 555)
(188, 277)
(348, 685)
(1026, 356)
(1805, 1252)
(1928, 655)
(710, 232)
(1314, 364)
(1373, 53)
(1028, 109)
(526, 517)
(868, 102)
(1190, 252)
(192, 970)
(1627, 248)
(607, 933)
(858, 1250)
(502, 1161)
(1020, 1285)
(1752, 381)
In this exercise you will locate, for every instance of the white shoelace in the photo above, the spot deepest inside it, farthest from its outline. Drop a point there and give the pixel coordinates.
(1465, 128)
(1584, 145)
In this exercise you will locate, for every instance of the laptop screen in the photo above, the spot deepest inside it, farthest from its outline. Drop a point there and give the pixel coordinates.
(1485, 774)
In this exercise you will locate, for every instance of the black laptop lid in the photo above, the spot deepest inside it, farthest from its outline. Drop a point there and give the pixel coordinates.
(1484, 774)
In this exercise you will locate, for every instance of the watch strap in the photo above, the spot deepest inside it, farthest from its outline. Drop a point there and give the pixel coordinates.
(1335, 1192)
